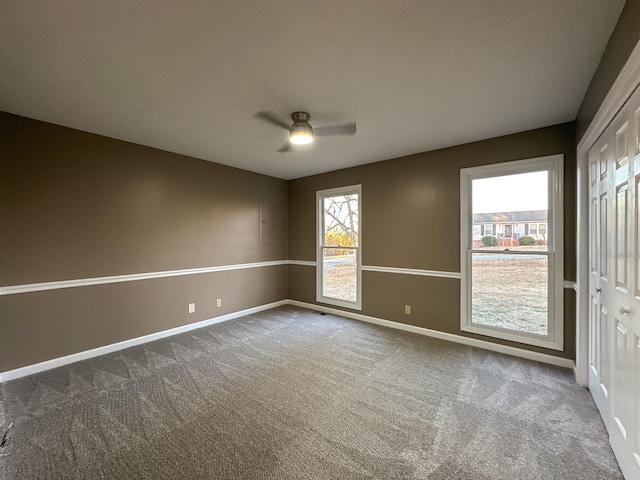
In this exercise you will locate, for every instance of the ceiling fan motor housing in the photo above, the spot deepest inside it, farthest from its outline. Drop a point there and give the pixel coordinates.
(301, 123)
(301, 131)
(300, 117)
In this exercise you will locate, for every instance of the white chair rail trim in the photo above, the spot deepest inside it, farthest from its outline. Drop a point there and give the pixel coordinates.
(132, 277)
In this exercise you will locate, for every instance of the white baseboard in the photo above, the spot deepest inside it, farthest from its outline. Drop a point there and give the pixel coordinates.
(474, 342)
(76, 357)
(95, 352)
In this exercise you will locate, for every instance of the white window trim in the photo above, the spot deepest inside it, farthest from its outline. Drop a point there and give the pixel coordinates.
(320, 195)
(555, 165)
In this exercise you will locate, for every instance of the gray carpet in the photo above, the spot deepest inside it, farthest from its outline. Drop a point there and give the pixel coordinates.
(292, 394)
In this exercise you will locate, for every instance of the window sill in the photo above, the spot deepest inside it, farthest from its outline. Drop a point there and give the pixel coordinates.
(513, 336)
(339, 303)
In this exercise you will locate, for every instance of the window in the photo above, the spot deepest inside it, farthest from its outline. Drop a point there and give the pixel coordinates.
(542, 229)
(487, 229)
(512, 289)
(339, 278)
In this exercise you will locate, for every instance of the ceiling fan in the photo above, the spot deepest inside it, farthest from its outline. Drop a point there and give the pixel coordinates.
(300, 131)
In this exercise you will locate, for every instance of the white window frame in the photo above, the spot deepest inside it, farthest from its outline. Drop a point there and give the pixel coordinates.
(554, 165)
(320, 196)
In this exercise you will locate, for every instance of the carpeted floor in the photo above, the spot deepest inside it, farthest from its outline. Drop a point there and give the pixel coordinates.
(292, 394)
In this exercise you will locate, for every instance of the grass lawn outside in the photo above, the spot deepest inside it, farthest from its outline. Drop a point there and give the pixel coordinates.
(340, 281)
(509, 291)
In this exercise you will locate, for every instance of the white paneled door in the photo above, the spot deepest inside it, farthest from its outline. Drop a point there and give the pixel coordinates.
(614, 282)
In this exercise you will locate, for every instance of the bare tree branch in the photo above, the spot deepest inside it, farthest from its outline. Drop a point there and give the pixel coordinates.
(343, 211)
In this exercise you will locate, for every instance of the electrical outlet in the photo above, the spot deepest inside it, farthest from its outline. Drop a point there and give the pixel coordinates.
(192, 308)
(407, 309)
(219, 302)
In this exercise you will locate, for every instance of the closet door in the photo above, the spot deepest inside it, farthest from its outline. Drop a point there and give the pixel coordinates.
(599, 241)
(615, 284)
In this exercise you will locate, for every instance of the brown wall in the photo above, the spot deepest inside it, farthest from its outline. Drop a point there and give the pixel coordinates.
(75, 205)
(622, 42)
(411, 219)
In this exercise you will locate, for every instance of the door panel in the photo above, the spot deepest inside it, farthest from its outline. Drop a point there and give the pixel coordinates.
(594, 332)
(636, 236)
(621, 373)
(593, 237)
(622, 151)
(636, 452)
(604, 354)
(602, 259)
(603, 161)
(621, 238)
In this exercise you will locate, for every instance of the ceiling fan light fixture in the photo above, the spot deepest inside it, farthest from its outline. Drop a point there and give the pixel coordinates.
(301, 133)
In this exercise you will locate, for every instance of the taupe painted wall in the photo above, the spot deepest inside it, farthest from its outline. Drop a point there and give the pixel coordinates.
(75, 205)
(622, 42)
(419, 195)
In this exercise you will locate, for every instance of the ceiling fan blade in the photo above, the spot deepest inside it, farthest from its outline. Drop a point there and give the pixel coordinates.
(345, 129)
(286, 147)
(271, 118)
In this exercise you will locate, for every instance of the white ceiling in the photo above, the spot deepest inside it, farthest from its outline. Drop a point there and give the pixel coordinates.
(188, 76)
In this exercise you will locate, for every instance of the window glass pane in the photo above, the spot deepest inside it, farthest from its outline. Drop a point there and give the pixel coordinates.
(341, 220)
(510, 291)
(517, 208)
(339, 273)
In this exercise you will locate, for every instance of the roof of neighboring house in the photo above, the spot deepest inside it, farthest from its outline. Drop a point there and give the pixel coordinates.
(511, 217)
